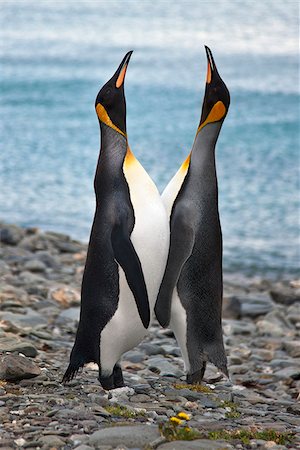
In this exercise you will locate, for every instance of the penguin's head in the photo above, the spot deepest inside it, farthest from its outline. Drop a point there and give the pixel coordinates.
(110, 102)
(216, 98)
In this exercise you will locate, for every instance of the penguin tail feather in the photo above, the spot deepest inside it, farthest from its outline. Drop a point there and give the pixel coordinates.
(71, 372)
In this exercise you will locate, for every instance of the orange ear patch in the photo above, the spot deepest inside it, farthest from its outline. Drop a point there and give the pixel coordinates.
(121, 76)
(216, 113)
(104, 117)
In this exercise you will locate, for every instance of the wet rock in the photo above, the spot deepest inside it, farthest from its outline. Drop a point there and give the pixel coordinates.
(15, 367)
(9, 343)
(130, 436)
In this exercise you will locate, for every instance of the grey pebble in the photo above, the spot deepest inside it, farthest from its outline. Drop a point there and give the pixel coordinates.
(198, 444)
(13, 345)
(131, 436)
(164, 367)
(35, 265)
(87, 447)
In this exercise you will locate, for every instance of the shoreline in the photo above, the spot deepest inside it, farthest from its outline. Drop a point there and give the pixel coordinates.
(246, 274)
(40, 274)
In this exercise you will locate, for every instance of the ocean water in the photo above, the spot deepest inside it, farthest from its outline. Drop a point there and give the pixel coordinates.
(55, 55)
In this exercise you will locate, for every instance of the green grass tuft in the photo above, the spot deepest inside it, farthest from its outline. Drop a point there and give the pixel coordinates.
(194, 387)
(122, 411)
(246, 435)
(176, 433)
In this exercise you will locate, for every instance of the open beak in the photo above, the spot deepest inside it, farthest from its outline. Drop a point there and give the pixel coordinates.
(121, 71)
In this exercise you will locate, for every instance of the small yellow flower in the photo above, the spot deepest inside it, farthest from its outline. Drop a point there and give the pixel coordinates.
(183, 416)
(187, 429)
(175, 420)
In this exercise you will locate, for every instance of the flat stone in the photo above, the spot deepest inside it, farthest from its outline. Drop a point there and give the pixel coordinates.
(50, 441)
(233, 327)
(164, 367)
(293, 348)
(294, 409)
(270, 328)
(13, 345)
(35, 265)
(140, 398)
(30, 318)
(142, 388)
(198, 444)
(70, 314)
(88, 447)
(285, 295)
(255, 310)
(152, 349)
(15, 367)
(288, 372)
(171, 350)
(131, 436)
(134, 356)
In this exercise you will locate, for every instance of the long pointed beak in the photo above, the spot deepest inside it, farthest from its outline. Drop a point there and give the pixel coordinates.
(121, 71)
(211, 67)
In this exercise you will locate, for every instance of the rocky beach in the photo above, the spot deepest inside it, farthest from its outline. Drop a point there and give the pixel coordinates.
(258, 408)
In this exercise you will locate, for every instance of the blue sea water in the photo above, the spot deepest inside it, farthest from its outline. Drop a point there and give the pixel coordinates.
(55, 55)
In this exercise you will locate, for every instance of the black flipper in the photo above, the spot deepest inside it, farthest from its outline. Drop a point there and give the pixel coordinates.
(181, 245)
(128, 259)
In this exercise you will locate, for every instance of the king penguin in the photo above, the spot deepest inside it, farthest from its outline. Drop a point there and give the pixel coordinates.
(190, 295)
(127, 251)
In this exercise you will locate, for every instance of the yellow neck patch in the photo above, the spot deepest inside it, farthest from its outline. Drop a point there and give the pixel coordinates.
(104, 117)
(216, 113)
(129, 158)
(185, 165)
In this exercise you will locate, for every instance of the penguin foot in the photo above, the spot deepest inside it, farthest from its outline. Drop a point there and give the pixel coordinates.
(196, 377)
(118, 377)
(114, 381)
(107, 382)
